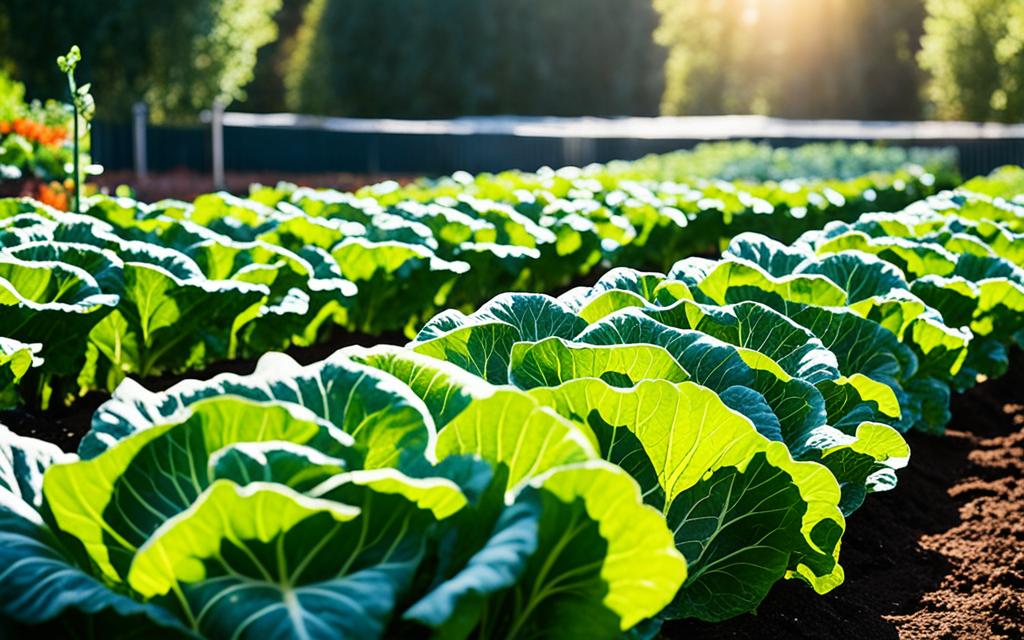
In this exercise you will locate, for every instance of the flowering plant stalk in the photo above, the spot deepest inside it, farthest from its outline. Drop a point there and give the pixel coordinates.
(84, 108)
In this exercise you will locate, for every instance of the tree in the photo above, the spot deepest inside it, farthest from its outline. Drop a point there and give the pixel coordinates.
(794, 58)
(973, 51)
(266, 92)
(441, 58)
(179, 56)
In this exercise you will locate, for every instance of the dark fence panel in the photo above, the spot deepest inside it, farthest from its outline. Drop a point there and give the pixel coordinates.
(112, 144)
(294, 151)
(313, 150)
(178, 147)
(167, 148)
(978, 157)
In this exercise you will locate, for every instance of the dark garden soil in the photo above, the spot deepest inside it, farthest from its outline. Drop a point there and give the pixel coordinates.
(940, 556)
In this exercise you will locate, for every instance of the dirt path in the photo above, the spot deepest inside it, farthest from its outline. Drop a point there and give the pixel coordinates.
(941, 556)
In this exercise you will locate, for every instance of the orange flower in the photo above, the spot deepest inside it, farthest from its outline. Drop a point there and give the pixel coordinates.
(23, 127)
(55, 136)
(55, 197)
(36, 132)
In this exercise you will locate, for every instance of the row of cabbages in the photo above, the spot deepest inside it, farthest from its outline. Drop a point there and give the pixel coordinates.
(653, 447)
(144, 290)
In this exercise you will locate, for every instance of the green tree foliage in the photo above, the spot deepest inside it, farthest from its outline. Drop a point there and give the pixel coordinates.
(178, 56)
(12, 97)
(795, 58)
(436, 58)
(266, 92)
(974, 52)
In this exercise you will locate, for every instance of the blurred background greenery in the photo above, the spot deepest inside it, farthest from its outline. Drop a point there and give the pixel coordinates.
(865, 59)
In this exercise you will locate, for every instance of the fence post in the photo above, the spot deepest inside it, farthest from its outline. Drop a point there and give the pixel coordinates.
(578, 151)
(140, 118)
(217, 138)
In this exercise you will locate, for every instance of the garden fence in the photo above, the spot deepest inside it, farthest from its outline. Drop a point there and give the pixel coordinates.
(291, 143)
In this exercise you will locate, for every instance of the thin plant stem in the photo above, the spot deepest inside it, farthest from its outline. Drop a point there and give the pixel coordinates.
(78, 194)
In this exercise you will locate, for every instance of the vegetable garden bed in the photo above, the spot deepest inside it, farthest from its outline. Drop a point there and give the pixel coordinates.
(946, 545)
(649, 447)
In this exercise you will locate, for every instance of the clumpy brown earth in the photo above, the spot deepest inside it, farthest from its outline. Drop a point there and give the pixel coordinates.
(983, 596)
(940, 556)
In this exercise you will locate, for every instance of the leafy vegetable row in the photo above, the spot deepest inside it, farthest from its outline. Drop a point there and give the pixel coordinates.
(330, 501)
(101, 305)
(666, 446)
(760, 162)
(830, 347)
(645, 218)
(136, 289)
